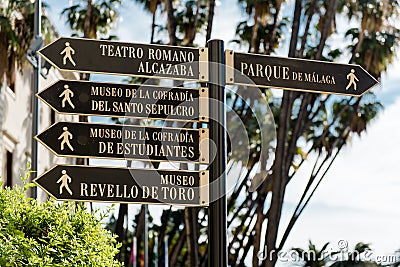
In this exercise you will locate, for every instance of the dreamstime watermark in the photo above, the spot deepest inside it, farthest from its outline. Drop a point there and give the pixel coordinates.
(340, 252)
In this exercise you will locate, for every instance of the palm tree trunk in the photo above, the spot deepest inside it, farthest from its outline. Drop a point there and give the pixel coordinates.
(280, 173)
(87, 25)
(257, 235)
(235, 194)
(162, 232)
(176, 250)
(239, 238)
(140, 223)
(193, 30)
(254, 34)
(274, 27)
(246, 249)
(3, 58)
(360, 36)
(311, 12)
(242, 228)
(191, 236)
(171, 23)
(369, 55)
(153, 26)
(327, 26)
(119, 227)
(210, 18)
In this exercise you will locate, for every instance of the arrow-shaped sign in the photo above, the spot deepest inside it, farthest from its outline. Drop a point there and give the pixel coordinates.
(127, 100)
(122, 185)
(116, 141)
(297, 74)
(99, 56)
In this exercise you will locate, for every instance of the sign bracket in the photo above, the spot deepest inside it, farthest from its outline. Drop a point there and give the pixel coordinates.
(230, 71)
(203, 105)
(203, 64)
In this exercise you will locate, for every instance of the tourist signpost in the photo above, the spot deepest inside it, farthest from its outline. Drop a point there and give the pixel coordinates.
(127, 100)
(117, 141)
(212, 65)
(142, 60)
(108, 184)
(297, 74)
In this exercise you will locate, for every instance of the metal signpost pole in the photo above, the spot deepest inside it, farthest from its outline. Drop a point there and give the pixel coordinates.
(35, 104)
(217, 227)
(146, 236)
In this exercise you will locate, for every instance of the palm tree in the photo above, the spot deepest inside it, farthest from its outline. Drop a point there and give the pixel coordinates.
(245, 34)
(259, 11)
(185, 19)
(151, 6)
(266, 23)
(327, 25)
(373, 15)
(94, 19)
(376, 50)
(16, 34)
(310, 9)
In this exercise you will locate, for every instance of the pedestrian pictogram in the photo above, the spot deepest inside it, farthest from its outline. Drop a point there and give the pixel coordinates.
(352, 80)
(64, 180)
(68, 51)
(67, 94)
(65, 137)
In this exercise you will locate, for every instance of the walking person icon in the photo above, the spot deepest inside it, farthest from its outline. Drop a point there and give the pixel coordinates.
(67, 94)
(64, 180)
(352, 80)
(66, 136)
(68, 51)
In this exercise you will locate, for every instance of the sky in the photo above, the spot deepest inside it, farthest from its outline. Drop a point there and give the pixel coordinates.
(358, 201)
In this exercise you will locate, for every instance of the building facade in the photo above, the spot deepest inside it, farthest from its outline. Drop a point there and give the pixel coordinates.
(16, 125)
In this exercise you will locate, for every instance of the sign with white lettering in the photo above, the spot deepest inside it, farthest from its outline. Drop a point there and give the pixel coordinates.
(127, 100)
(88, 183)
(297, 74)
(116, 141)
(144, 60)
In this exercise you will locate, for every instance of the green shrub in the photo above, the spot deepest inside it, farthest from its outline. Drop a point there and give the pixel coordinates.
(48, 234)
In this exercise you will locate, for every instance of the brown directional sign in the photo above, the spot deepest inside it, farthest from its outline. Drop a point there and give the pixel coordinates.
(87, 55)
(127, 100)
(297, 74)
(116, 141)
(122, 185)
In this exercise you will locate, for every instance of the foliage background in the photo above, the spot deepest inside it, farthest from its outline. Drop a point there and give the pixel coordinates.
(49, 234)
